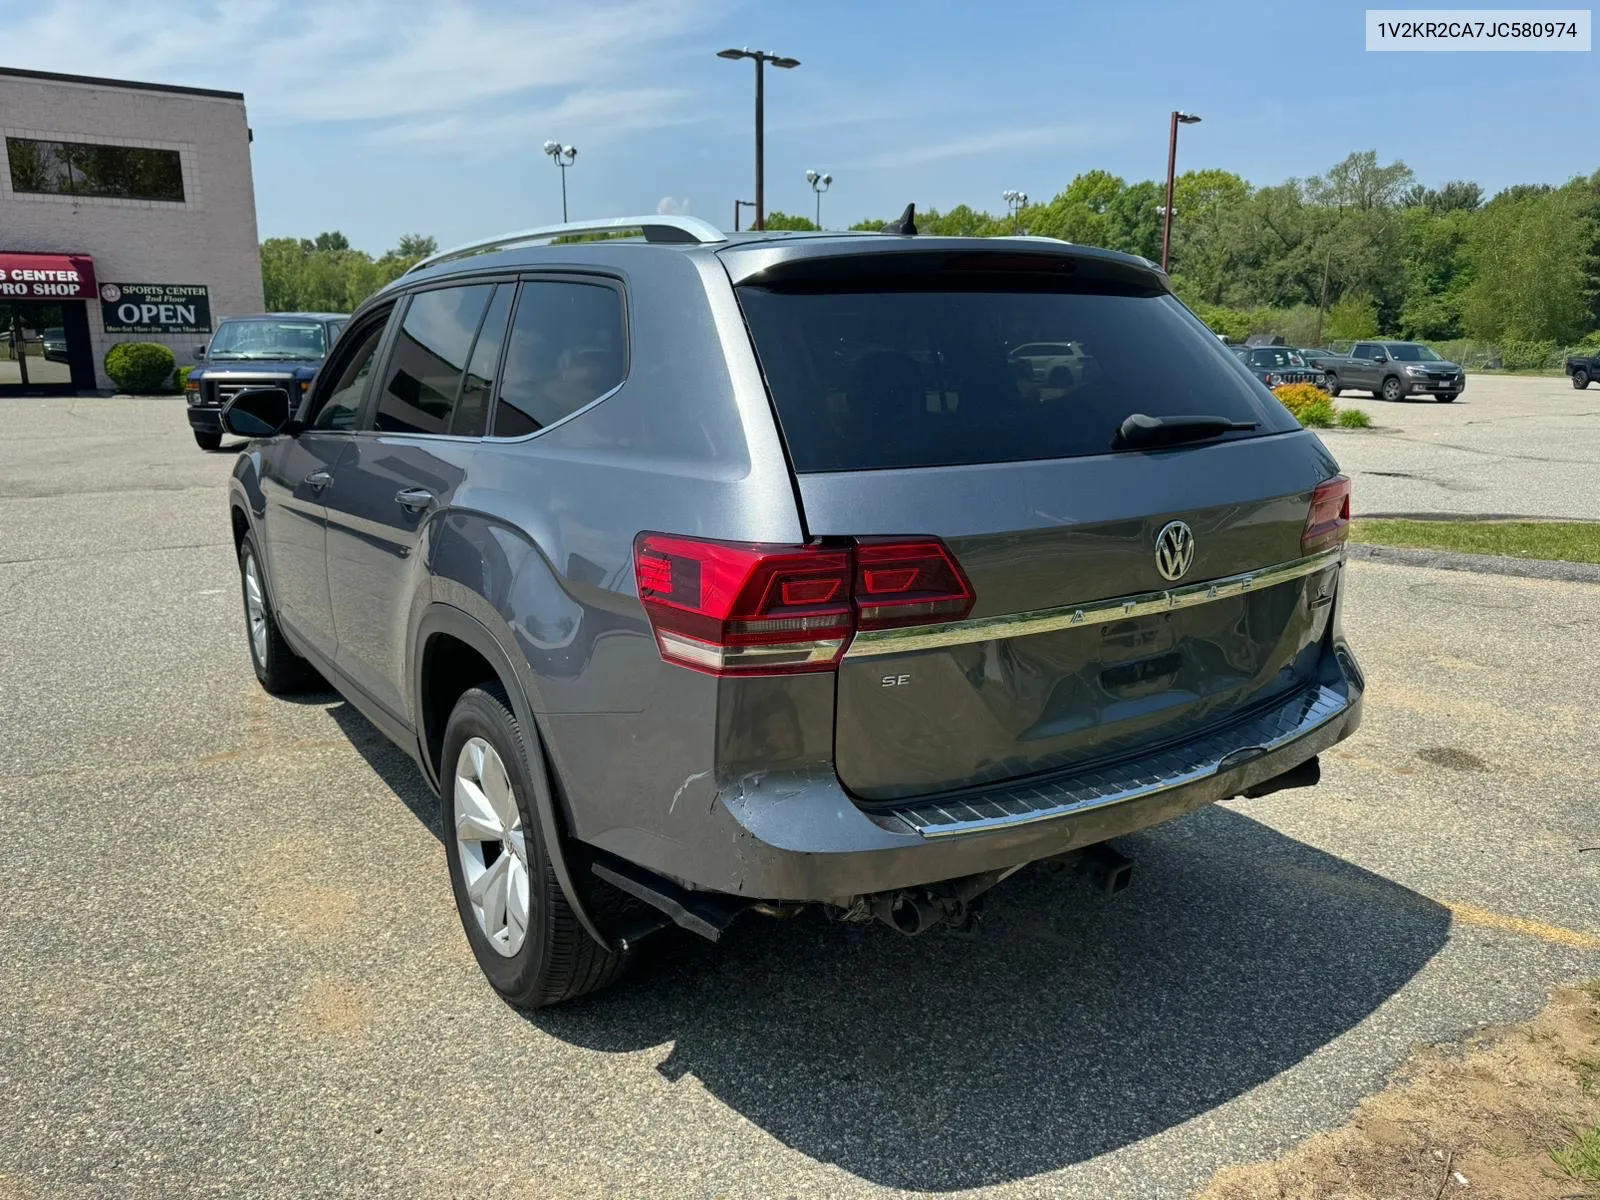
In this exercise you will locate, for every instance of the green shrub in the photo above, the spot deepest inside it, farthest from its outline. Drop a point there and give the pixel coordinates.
(1354, 418)
(140, 366)
(182, 377)
(1527, 356)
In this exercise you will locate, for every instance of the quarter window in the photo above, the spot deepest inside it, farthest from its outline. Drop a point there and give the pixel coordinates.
(565, 350)
(429, 356)
(85, 169)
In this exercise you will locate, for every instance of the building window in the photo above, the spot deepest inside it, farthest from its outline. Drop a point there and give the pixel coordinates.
(82, 169)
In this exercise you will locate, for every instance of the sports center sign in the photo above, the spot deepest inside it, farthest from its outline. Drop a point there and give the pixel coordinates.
(155, 308)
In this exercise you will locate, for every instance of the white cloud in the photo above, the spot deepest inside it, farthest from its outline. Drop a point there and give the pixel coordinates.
(421, 61)
(673, 206)
(1074, 136)
(575, 117)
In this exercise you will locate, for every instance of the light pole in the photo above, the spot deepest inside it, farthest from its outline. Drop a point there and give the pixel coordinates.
(1015, 203)
(562, 156)
(1178, 118)
(819, 184)
(737, 205)
(762, 58)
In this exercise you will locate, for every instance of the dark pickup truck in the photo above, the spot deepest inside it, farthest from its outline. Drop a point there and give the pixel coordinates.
(268, 350)
(1583, 369)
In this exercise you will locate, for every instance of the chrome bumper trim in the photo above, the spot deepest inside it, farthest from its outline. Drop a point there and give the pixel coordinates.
(873, 642)
(1174, 767)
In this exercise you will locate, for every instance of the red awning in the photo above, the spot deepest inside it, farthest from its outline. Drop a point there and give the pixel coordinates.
(46, 276)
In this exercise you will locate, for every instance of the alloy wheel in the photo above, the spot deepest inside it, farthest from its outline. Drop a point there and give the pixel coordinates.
(255, 608)
(491, 846)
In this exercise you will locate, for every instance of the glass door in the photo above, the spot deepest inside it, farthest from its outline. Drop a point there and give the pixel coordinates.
(34, 350)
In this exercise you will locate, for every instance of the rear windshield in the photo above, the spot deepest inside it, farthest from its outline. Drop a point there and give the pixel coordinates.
(926, 377)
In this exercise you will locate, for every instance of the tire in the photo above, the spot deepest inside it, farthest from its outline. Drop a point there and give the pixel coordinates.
(1333, 383)
(207, 440)
(1392, 390)
(1580, 379)
(555, 959)
(281, 671)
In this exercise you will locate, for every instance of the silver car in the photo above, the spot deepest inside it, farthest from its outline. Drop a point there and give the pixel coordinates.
(707, 575)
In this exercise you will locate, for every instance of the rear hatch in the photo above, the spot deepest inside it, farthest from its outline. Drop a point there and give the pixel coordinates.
(908, 389)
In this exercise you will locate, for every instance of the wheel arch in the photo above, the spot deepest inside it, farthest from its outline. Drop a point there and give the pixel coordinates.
(451, 651)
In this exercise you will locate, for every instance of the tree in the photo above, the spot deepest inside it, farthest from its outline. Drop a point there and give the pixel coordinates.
(414, 246)
(783, 220)
(1531, 268)
(331, 241)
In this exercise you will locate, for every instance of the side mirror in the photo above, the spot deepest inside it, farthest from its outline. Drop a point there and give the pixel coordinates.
(200, 350)
(1380, 356)
(257, 412)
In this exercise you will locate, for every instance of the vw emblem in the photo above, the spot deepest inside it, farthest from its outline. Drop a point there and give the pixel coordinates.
(1174, 550)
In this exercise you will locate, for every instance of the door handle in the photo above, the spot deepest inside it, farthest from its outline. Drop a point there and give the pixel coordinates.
(318, 480)
(413, 499)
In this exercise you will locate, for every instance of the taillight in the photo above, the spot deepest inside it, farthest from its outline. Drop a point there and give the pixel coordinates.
(741, 608)
(908, 583)
(1328, 522)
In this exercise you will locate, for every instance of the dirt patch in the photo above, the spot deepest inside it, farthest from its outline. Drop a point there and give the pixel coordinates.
(1488, 1112)
(1452, 758)
(334, 1006)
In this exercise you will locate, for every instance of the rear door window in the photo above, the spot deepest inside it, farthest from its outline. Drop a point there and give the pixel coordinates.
(423, 374)
(566, 348)
(940, 376)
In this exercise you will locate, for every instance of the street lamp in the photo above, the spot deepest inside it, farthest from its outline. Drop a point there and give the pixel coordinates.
(819, 184)
(762, 58)
(737, 205)
(1015, 203)
(562, 156)
(1178, 118)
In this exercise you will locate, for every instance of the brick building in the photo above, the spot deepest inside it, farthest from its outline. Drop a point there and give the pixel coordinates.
(127, 213)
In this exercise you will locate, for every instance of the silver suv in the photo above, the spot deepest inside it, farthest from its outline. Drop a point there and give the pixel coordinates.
(705, 575)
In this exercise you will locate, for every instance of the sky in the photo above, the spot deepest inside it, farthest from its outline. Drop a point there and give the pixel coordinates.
(383, 118)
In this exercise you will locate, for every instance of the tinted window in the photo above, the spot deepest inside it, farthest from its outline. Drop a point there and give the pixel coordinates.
(566, 349)
(429, 356)
(1276, 358)
(341, 404)
(1362, 350)
(1407, 352)
(472, 410)
(83, 169)
(925, 377)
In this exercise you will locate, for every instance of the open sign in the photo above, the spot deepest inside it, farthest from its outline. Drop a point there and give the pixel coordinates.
(155, 308)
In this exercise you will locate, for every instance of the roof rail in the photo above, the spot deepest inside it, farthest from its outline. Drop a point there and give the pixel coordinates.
(656, 229)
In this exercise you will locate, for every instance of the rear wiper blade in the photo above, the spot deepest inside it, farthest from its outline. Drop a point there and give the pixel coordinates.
(1142, 432)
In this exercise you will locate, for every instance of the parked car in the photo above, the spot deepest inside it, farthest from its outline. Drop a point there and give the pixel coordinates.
(1276, 366)
(705, 575)
(1582, 369)
(269, 349)
(1051, 364)
(1395, 370)
(55, 344)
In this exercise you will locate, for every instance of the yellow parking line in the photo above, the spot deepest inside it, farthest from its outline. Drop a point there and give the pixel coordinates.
(1473, 915)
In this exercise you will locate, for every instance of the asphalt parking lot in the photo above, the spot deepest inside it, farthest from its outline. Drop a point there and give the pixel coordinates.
(230, 964)
(1509, 445)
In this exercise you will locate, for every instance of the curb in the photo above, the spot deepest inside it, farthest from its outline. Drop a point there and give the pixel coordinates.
(1480, 564)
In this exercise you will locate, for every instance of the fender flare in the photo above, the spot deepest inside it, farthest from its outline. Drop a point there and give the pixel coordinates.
(446, 618)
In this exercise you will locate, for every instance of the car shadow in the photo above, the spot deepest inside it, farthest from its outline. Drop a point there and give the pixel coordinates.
(1073, 1024)
(391, 764)
(1070, 1025)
